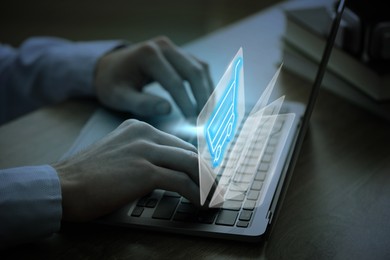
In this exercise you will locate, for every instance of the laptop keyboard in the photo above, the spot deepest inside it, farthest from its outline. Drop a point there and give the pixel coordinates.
(241, 197)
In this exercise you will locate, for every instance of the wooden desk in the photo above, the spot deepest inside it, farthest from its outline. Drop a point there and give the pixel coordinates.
(337, 205)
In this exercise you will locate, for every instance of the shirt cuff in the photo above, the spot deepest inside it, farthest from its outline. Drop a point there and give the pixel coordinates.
(75, 64)
(30, 204)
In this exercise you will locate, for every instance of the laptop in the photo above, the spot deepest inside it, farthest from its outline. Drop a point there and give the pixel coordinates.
(251, 212)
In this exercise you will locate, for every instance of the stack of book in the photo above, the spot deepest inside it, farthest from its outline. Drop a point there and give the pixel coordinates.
(347, 76)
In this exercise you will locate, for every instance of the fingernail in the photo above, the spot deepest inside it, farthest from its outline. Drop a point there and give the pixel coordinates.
(162, 108)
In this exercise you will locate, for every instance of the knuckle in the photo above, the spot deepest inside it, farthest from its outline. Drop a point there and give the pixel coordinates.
(133, 127)
(148, 133)
(163, 41)
(127, 123)
(205, 66)
(144, 128)
(197, 70)
(149, 48)
(193, 157)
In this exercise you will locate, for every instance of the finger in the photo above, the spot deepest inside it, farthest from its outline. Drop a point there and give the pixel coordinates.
(152, 135)
(162, 138)
(190, 69)
(176, 159)
(128, 99)
(206, 68)
(178, 182)
(210, 88)
(211, 84)
(159, 68)
(173, 141)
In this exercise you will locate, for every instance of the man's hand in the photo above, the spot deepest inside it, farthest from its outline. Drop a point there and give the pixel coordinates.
(128, 163)
(122, 74)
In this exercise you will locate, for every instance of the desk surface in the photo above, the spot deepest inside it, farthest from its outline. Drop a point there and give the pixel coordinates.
(337, 204)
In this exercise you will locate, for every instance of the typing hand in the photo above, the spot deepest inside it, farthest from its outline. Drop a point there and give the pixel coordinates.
(122, 74)
(127, 164)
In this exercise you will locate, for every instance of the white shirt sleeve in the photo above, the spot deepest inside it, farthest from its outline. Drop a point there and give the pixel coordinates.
(30, 204)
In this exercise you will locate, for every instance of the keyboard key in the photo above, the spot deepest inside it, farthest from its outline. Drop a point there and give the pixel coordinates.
(207, 216)
(227, 218)
(242, 224)
(184, 217)
(187, 208)
(232, 205)
(244, 178)
(142, 201)
(235, 195)
(184, 200)
(273, 140)
(257, 185)
(266, 158)
(260, 176)
(166, 208)
(224, 180)
(172, 194)
(249, 204)
(264, 167)
(270, 150)
(251, 161)
(253, 194)
(137, 211)
(245, 215)
(151, 203)
(239, 186)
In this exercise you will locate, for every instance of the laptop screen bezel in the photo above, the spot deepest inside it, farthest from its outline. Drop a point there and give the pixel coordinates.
(304, 125)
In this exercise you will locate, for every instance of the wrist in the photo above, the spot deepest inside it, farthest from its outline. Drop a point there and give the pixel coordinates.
(69, 189)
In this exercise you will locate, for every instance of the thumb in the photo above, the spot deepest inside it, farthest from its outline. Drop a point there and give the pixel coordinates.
(138, 103)
(146, 104)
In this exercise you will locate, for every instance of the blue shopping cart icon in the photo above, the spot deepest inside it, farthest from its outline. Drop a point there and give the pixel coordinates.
(222, 124)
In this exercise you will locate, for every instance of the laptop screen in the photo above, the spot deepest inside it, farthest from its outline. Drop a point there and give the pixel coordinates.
(318, 79)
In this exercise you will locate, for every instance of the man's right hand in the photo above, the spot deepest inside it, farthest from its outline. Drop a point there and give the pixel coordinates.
(127, 164)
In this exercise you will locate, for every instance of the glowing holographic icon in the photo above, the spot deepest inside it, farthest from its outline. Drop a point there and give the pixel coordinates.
(232, 143)
(221, 126)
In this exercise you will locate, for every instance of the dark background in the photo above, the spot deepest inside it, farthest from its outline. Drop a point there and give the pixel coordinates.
(134, 20)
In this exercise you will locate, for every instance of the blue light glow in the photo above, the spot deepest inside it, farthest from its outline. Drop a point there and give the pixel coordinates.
(221, 126)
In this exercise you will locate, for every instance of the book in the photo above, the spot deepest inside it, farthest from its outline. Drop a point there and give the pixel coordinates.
(297, 63)
(306, 30)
